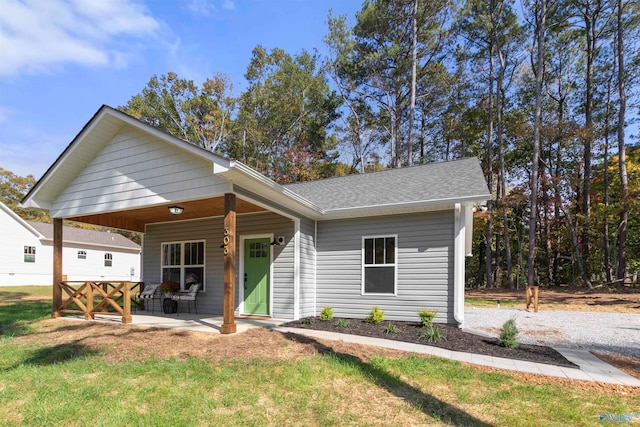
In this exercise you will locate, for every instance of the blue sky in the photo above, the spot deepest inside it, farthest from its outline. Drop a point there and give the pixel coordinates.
(60, 60)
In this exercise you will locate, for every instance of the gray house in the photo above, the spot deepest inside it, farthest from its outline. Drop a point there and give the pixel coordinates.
(396, 238)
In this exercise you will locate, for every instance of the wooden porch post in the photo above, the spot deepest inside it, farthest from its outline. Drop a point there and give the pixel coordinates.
(126, 304)
(229, 242)
(57, 267)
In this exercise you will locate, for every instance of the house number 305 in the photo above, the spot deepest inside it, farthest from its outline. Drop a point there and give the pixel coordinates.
(225, 241)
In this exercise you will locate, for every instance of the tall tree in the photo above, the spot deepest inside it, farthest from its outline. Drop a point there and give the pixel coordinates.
(178, 106)
(540, 16)
(13, 188)
(284, 117)
(492, 30)
(382, 55)
(590, 14)
(624, 183)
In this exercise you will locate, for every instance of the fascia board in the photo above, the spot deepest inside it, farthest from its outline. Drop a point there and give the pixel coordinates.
(94, 245)
(372, 210)
(262, 180)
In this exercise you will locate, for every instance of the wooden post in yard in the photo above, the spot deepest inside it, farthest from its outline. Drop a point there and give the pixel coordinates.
(126, 304)
(88, 314)
(535, 298)
(57, 267)
(229, 245)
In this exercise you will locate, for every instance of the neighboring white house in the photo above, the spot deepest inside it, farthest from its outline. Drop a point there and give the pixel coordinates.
(26, 253)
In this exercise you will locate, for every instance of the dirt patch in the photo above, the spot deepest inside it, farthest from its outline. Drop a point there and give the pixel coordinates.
(572, 299)
(630, 365)
(126, 343)
(455, 339)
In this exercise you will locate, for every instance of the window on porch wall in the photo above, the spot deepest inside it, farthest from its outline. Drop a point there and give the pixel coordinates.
(183, 262)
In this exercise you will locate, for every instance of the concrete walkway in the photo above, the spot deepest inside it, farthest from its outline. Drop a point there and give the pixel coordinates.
(590, 367)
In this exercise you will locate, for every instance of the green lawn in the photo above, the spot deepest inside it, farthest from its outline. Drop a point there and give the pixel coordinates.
(49, 377)
(491, 303)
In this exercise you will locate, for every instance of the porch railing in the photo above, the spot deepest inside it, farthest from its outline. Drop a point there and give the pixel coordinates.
(91, 298)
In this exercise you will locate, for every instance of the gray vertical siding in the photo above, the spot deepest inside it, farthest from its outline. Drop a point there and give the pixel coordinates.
(210, 230)
(425, 265)
(307, 267)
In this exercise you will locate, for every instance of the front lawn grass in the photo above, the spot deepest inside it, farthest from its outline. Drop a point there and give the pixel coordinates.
(49, 377)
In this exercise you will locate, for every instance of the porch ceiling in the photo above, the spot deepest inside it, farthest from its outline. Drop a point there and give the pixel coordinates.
(136, 219)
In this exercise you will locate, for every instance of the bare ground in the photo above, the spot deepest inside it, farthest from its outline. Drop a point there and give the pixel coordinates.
(570, 299)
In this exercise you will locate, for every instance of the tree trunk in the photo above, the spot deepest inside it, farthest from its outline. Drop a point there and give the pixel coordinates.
(548, 248)
(503, 180)
(489, 172)
(622, 168)
(541, 16)
(576, 249)
(414, 60)
(591, 39)
(606, 238)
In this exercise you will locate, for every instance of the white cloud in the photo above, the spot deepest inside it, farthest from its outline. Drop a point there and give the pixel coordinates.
(208, 7)
(37, 35)
(5, 112)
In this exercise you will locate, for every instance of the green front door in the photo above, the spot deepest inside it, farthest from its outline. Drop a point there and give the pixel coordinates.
(256, 275)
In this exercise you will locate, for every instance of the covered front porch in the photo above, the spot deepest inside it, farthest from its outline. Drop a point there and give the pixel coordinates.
(189, 322)
(216, 225)
(119, 172)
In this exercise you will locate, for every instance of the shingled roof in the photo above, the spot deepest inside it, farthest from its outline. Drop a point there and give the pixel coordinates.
(445, 181)
(81, 235)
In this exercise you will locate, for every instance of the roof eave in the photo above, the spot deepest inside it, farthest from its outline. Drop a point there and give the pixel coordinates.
(435, 204)
(250, 174)
(94, 245)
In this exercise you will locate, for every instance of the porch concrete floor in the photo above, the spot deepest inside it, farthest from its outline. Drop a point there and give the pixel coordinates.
(191, 322)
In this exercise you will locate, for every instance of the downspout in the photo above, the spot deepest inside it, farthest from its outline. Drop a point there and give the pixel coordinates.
(458, 263)
(296, 269)
(315, 269)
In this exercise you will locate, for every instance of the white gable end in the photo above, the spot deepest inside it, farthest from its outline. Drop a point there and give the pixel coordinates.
(136, 170)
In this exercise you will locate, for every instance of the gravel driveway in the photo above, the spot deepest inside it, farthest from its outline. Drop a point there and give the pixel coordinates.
(611, 333)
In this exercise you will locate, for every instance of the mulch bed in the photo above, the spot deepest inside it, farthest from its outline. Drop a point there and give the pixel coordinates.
(455, 339)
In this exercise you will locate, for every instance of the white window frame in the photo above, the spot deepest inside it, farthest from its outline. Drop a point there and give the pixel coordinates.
(29, 251)
(182, 265)
(108, 259)
(82, 254)
(394, 265)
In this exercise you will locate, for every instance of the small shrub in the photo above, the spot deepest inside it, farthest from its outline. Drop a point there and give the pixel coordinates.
(509, 334)
(391, 329)
(426, 317)
(342, 323)
(307, 321)
(326, 314)
(376, 316)
(433, 334)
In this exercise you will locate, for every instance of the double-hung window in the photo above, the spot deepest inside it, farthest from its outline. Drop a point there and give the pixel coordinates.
(379, 264)
(183, 262)
(29, 254)
(108, 259)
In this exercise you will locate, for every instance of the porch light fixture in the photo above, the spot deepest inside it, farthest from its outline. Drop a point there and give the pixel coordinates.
(176, 210)
(279, 240)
